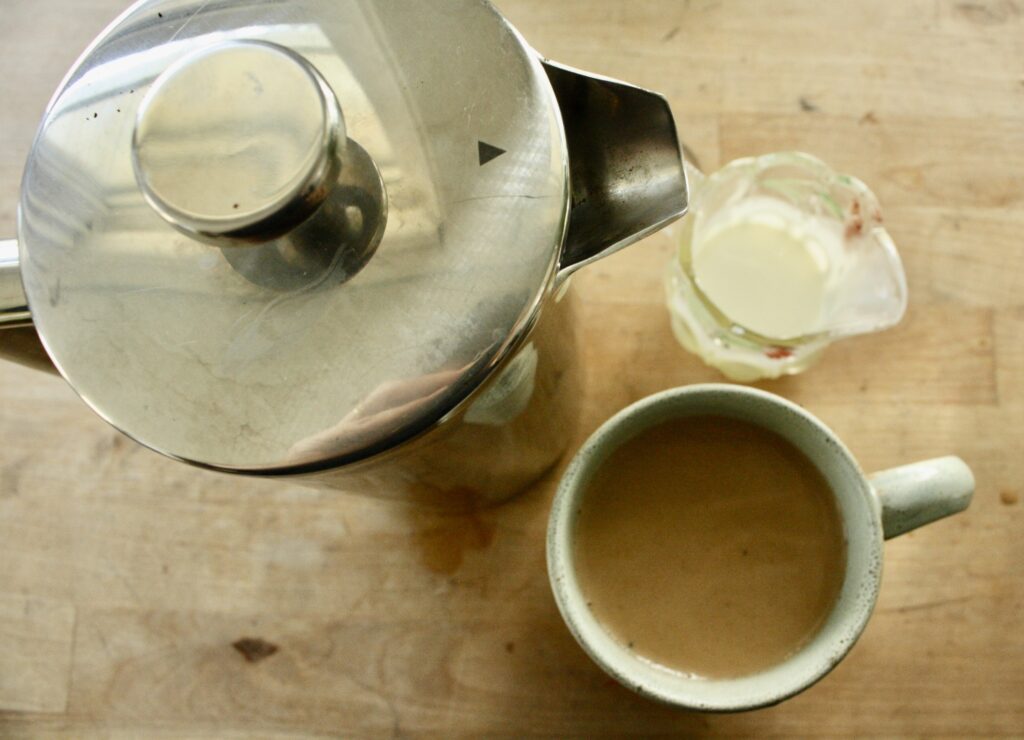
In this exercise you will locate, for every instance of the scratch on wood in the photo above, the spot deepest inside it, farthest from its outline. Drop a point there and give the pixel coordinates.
(929, 605)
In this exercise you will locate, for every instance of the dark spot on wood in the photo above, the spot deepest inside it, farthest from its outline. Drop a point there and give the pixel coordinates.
(630, 643)
(118, 110)
(671, 34)
(745, 552)
(164, 569)
(987, 14)
(807, 106)
(510, 647)
(10, 477)
(159, 15)
(869, 117)
(1008, 498)
(254, 649)
(235, 206)
(863, 387)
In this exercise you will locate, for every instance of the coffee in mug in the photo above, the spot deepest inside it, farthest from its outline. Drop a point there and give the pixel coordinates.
(709, 545)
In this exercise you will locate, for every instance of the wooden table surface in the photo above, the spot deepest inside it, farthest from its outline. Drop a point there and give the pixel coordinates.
(126, 579)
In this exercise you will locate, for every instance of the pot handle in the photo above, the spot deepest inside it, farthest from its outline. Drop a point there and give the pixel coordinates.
(18, 339)
(13, 305)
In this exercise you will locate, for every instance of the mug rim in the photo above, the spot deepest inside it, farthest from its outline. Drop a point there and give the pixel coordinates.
(806, 666)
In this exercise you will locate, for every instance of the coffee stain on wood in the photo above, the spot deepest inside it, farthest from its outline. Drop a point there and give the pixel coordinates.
(443, 546)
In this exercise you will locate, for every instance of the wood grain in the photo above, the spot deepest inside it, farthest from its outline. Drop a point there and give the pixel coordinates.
(35, 653)
(126, 580)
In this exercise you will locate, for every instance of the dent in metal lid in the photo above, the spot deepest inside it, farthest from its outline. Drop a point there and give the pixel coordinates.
(287, 235)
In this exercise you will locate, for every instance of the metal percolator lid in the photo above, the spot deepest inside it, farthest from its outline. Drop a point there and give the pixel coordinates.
(282, 235)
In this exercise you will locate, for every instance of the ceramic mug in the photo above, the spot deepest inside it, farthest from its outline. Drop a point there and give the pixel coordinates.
(872, 509)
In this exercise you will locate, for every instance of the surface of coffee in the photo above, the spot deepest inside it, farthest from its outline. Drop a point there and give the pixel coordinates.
(709, 546)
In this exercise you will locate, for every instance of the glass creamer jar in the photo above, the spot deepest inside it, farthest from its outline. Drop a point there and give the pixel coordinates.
(779, 257)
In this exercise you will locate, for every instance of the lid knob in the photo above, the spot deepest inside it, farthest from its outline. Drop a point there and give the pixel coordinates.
(238, 143)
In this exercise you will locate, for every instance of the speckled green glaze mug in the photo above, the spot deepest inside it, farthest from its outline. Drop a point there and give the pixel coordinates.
(872, 509)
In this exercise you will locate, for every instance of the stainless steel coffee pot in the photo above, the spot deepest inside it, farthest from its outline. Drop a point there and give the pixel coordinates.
(329, 240)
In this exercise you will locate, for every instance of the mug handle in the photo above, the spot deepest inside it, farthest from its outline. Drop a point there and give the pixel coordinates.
(918, 494)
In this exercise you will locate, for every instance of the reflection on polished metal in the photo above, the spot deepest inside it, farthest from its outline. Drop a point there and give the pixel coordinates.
(627, 170)
(13, 306)
(242, 145)
(331, 246)
(238, 143)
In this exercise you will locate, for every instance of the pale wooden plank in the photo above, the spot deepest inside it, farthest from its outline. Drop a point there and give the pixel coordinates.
(938, 355)
(463, 678)
(35, 653)
(962, 255)
(41, 727)
(890, 89)
(1009, 334)
(937, 162)
(249, 547)
(892, 59)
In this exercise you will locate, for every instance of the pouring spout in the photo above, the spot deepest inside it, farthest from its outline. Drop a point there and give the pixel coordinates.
(13, 305)
(625, 164)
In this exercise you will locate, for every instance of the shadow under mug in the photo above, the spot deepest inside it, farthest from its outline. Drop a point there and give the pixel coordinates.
(872, 509)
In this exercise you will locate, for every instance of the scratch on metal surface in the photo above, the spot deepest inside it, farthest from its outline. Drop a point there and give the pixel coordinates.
(151, 289)
(188, 20)
(502, 195)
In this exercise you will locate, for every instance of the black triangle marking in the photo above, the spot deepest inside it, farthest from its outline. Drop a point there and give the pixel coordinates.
(488, 152)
